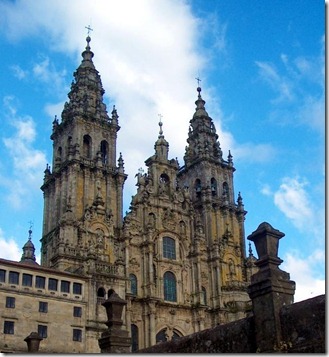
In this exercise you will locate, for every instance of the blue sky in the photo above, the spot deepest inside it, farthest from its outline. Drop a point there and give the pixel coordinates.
(262, 69)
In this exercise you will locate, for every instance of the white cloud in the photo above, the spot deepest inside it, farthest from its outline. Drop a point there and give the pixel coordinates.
(266, 190)
(292, 199)
(28, 163)
(19, 72)
(303, 271)
(312, 112)
(45, 71)
(301, 82)
(250, 152)
(9, 248)
(280, 84)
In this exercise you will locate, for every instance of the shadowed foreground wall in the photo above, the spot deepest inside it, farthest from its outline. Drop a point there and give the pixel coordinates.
(303, 330)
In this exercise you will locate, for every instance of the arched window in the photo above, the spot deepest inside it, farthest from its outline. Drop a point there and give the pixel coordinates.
(104, 151)
(134, 338)
(101, 292)
(175, 335)
(169, 286)
(225, 189)
(87, 146)
(169, 248)
(59, 152)
(213, 185)
(110, 292)
(133, 284)
(203, 296)
(163, 336)
(198, 187)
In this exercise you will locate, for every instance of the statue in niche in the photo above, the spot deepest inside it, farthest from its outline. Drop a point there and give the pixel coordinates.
(100, 238)
(182, 227)
(231, 267)
(151, 221)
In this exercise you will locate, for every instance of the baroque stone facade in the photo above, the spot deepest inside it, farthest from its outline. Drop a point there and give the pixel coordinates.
(178, 257)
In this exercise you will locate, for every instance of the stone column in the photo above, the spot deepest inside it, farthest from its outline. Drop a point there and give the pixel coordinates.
(270, 289)
(152, 312)
(114, 339)
(33, 342)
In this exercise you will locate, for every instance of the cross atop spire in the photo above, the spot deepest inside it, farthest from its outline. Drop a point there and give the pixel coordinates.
(89, 29)
(199, 80)
(30, 230)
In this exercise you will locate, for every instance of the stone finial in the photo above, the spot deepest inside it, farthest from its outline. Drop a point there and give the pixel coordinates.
(270, 288)
(33, 342)
(115, 339)
(114, 306)
(266, 240)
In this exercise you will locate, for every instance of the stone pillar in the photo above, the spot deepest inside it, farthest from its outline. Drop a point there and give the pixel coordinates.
(114, 339)
(152, 312)
(270, 288)
(33, 342)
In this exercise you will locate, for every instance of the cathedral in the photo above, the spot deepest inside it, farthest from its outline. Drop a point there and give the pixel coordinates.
(178, 256)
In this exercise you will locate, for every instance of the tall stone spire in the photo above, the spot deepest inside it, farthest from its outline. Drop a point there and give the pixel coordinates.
(202, 137)
(86, 95)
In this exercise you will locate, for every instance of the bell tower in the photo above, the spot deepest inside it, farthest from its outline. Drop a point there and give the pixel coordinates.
(83, 193)
(217, 216)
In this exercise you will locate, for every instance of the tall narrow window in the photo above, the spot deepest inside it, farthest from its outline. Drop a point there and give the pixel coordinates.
(43, 306)
(161, 336)
(52, 284)
(2, 275)
(87, 146)
(77, 288)
(203, 296)
(101, 292)
(225, 189)
(169, 248)
(169, 282)
(13, 277)
(65, 286)
(77, 311)
(213, 185)
(133, 284)
(27, 280)
(77, 335)
(59, 153)
(9, 327)
(155, 277)
(198, 187)
(104, 151)
(43, 331)
(10, 302)
(134, 338)
(40, 282)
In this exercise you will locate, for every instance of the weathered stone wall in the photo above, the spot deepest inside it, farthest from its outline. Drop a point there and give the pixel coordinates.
(303, 325)
(234, 337)
(303, 330)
